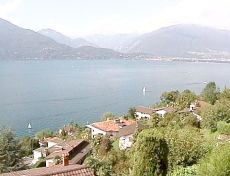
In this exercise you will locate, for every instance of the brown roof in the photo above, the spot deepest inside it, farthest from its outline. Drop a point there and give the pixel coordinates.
(169, 109)
(112, 125)
(127, 130)
(145, 110)
(63, 148)
(131, 129)
(54, 139)
(59, 170)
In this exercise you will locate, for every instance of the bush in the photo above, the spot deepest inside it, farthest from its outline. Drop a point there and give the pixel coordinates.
(213, 114)
(40, 163)
(44, 134)
(217, 163)
(223, 127)
(185, 171)
(150, 154)
(186, 146)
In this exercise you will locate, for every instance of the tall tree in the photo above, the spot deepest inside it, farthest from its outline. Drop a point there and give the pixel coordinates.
(169, 97)
(185, 99)
(131, 113)
(9, 152)
(210, 93)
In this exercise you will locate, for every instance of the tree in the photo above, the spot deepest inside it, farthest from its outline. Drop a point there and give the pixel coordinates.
(210, 93)
(108, 116)
(169, 97)
(185, 99)
(225, 94)
(27, 145)
(223, 127)
(105, 145)
(211, 115)
(100, 167)
(131, 113)
(216, 163)
(44, 134)
(9, 152)
(186, 146)
(150, 153)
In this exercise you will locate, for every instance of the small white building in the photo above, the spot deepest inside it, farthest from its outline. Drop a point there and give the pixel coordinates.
(163, 111)
(38, 153)
(53, 141)
(143, 112)
(126, 135)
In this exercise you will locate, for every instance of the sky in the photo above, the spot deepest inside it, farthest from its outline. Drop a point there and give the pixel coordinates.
(87, 17)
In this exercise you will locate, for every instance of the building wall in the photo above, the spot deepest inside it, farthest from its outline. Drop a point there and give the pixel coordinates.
(51, 144)
(96, 131)
(125, 142)
(49, 162)
(161, 113)
(141, 115)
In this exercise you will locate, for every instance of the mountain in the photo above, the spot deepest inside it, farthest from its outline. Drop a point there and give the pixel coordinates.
(116, 42)
(20, 43)
(183, 41)
(62, 39)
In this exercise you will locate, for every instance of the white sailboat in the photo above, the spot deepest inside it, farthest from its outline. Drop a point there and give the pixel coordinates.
(144, 90)
(29, 126)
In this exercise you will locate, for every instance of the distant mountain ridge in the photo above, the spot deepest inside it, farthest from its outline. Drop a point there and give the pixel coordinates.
(179, 41)
(183, 41)
(62, 39)
(20, 43)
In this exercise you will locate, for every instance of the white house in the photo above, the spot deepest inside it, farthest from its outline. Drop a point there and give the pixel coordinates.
(163, 111)
(126, 135)
(53, 141)
(143, 112)
(108, 127)
(38, 153)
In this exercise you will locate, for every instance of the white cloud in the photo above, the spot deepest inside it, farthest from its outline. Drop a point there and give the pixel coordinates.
(9, 6)
(204, 12)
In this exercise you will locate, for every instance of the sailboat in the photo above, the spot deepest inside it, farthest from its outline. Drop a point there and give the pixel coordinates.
(29, 126)
(144, 90)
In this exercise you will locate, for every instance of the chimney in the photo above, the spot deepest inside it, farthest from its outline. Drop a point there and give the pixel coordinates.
(65, 158)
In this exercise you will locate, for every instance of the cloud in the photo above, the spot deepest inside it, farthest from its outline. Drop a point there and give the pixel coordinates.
(204, 12)
(9, 6)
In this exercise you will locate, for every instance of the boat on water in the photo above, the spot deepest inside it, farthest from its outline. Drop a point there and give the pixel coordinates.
(29, 126)
(144, 90)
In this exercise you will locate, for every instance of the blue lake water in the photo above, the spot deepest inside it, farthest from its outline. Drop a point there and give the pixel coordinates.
(49, 94)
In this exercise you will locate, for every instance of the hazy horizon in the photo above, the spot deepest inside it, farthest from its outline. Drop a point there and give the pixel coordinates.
(83, 18)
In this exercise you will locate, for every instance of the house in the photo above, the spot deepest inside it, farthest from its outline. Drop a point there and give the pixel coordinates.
(59, 170)
(126, 133)
(125, 136)
(75, 151)
(53, 141)
(109, 127)
(165, 110)
(39, 153)
(143, 112)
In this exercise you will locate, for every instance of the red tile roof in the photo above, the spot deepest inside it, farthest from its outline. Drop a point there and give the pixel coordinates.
(70, 170)
(112, 125)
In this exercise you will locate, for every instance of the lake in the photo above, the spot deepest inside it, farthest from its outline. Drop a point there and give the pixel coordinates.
(49, 94)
